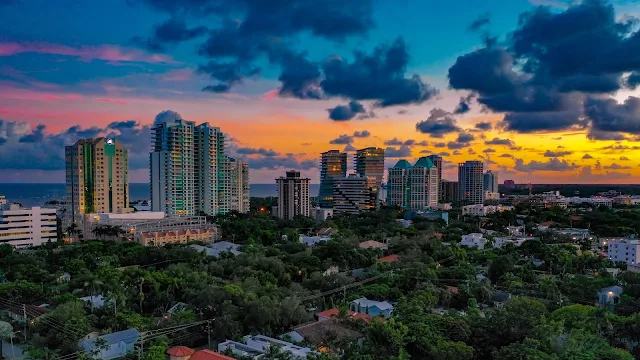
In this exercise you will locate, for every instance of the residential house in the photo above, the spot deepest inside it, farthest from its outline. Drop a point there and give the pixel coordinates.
(609, 296)
(313, 240)
(499, 242)
(334, 313)
(473, 240)
(372, 307)
(389, 259)
(331, 271)
(254, 346)
(372, 244)
(116, 344)
(323, 334)
(327, 232)
(544, 226)
(499, 298)
(22, 313)
(218, 248)
(65, 277)
(186, 353)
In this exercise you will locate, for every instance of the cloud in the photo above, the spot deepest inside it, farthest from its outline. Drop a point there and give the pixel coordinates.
(306, 144)
(439, 145)
(379, 76)
(442, 153)
(624, 158)
(342, 140)
(587, 156)
(540, 84)
(482, 21)
(409, 142)
(287, 161)
(506, 156)
(465, 137)
(349, 148)
(464, 105)
(594, 134)
(489, 150)
(633, 81)
(170, 32)
(456, 152)
(397, 152)
(85, 53)
(615, 166)
(347, 112)
(484, 126)
(362, 134)
(257, 151)
(551, 165)
(506, 142)
(554, 154)
(438, 124)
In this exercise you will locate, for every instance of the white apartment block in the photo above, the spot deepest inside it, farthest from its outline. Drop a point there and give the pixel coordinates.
(189, 172)
(239, 197)
(21, 227)
(473, 240)
(627, 251)
(482, 210)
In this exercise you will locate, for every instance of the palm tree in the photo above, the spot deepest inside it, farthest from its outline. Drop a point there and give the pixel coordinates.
(274, 352)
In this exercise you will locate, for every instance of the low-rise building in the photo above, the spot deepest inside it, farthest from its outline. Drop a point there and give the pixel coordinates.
(372, 307)
(627, 251)
(626, 200)
(372, 244)
(161, 238)
(484, 210)
(321, 214)
(20, 227)
(218, 248)
(609, 296)
(117, 345)
(254, 346)
(499, 242)
(473, 240)
(575, 233)
(313, 240)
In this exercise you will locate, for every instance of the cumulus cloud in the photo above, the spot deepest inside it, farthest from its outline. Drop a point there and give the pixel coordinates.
(554, 154)
(257, 151)
(348, 112)
(397, 152)
(342, 140)
(362, 134)
(170, 32)
(505, 142)
(587, 156)
(409, 142)
(551, 165)
(615, 166)
(439, 123)
(484, 126)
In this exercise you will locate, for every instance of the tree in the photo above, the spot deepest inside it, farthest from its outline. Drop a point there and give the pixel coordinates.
(499, 267)
(156, 352)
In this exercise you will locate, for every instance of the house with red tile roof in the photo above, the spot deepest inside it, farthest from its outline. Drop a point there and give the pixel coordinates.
(186, 353)
(372, 244)
(389, 259)
(333, 313)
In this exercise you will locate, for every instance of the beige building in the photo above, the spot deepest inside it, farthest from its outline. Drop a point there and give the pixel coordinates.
(21, 227)
(238, 171)
(96, 178)
(293, 196)
(161, 238)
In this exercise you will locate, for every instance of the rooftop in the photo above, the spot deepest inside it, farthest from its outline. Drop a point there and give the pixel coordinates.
(389, 258)
(180, 351)
(317, 332)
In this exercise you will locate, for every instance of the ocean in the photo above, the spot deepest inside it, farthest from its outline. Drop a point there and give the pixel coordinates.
(38, 194)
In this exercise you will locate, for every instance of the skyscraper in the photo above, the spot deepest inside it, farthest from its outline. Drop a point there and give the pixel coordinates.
(293, 195)
(353, 194)
(188, 169)
(450, 191)
(490, 181)
(413, 187)
(333, 164)
(96, 177)
(369, 162)
(470, 181)
(437, 161)
(239, 185)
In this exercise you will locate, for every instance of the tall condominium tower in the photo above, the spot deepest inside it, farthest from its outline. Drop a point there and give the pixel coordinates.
(413, 187)
(470, 181)
(187, 169)
(293, 195)
(450, 191)
(353, 194)
(369, 163)
(437, 161)
(239, 185)
(96, 177)
(490, 181)
(333, 164)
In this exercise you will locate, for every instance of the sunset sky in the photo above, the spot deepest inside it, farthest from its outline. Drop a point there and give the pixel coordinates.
(542, 91)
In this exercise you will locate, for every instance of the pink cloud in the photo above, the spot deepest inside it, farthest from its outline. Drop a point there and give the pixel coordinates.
(85, 53)
(270, 95)
(113, 101)
(178, 75)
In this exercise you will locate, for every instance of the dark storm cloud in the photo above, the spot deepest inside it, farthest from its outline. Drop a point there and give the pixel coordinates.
(464, 105)
(554, 154)
(609, 115)
(346, 112)
(257, 151)
(484, 126)
(439, 123)
(300, 78)
(170, 32)
(633, 80)
(378, 76)
(594, 134)
(465, 137)
(548, 90)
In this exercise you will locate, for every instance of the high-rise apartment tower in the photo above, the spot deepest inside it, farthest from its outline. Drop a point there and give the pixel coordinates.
(470, 181)
(333, 165)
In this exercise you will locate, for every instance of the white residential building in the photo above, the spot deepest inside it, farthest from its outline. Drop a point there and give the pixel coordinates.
(473, 240)
(413, 187)
(321, 214)
(253, 346)
(239, 197)
(21, 227)
(482, 210)
(627, 251)
(516, 241)
(594, 200)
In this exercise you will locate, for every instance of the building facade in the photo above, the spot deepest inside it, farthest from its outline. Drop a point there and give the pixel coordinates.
(97, 173)
(21, 227)
(450, 191)
(293, 196)
(369, 163)
(353, 194)
(188, 166)
(627, 251)
(413, 187)
(437, 161)
(490, 181)
(239, 196)
(470, 181)
(333, 165)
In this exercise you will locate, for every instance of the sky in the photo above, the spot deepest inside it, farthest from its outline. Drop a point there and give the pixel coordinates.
(541, 91)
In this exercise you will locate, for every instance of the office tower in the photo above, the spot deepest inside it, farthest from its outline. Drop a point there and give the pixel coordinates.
(437, 161)
(239, 185)
(21, 227)
(333, 164)
(490, 181)
(369, 163)
(470, 181)
(450, 191)
(96, 178)
(188, 169)
(353, 194)
(293, 195)
(413, 187)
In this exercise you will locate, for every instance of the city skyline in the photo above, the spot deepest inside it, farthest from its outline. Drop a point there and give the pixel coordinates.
(282, 103)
